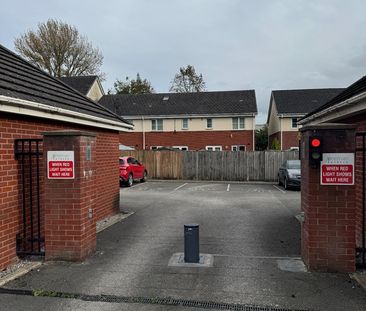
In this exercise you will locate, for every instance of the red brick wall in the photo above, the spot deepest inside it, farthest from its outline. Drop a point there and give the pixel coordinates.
(69, 222)
(195, 140)
(290, 139)
(360, 121)
(328, 231)
(13, 127)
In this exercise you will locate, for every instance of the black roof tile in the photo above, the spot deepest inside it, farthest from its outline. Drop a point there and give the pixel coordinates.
(302, 101)
(20, 79)
(199, 103)
(354, 89)
(81, 83)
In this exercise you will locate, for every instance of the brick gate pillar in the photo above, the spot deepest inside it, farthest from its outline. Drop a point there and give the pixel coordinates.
(328, 230)
(69, 204)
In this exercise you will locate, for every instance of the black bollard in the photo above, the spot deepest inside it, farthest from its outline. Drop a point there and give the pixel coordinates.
(191, 243)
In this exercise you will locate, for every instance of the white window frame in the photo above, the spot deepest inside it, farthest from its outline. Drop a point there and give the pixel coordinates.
(155, 147)
(237, 147)
(182, 148)
(213, 148)
(240, 125)
(185, 127)
(156, 123)
(207, 127)
(292, 123)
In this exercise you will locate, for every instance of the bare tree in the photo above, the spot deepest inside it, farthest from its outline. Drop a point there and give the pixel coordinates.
(187, 81)
(60, 50)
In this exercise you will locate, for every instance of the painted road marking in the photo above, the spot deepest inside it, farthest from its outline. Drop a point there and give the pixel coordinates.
(228, 187)
(181, 186)
(283, 191)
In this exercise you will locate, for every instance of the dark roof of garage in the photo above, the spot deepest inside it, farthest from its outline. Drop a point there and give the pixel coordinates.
(199, 103)
(302, 101)
(20, 79)
(354, 89)
(81, 83)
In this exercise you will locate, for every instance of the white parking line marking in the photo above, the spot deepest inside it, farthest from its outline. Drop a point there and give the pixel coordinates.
(283, 191)
(181, 186)
(228, 187)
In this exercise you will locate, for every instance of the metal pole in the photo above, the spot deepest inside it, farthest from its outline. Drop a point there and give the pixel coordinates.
(23, 192)
(31, 190)
(191, 243)
(38, 197)
(363, 202)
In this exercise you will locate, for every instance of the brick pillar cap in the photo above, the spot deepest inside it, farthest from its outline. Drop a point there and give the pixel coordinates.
(328, 126)
(68, 133)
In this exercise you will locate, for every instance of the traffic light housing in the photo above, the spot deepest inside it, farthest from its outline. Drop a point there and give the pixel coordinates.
(315, 150)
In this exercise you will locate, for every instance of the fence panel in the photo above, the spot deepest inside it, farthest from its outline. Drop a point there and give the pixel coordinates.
(211, 165)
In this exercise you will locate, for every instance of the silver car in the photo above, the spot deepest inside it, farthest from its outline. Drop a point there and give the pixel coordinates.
(289, 174)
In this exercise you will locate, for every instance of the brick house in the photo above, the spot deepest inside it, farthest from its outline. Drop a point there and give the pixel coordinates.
(31, 103)
(188, 121)
(90, 86)
(333, 234)
(288, 106)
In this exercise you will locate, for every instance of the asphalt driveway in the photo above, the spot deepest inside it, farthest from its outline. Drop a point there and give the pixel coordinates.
(250, 229)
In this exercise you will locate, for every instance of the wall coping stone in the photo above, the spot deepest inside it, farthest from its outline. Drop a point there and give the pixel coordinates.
(68, 133)
(328, 126)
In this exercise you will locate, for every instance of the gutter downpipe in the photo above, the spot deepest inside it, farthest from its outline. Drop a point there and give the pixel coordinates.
(253, 124)
(281, 136)
(143, 133)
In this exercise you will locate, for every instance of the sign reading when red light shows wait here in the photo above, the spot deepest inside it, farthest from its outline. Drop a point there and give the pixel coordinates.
(337, 169)
(60, 165)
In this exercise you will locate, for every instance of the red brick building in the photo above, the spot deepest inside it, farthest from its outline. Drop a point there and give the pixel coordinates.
(333, 233)
(286, 108)
(31, 103)
(188, 121)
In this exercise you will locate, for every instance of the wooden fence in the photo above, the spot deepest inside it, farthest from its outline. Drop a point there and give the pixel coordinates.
(213, 165)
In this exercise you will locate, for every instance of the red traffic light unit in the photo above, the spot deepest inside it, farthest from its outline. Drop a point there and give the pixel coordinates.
(315, 150)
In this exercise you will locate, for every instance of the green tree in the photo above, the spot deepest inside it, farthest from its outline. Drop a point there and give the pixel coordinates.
(276, 144)
(261, 138)
(187, 81)
(138, 86)
(59, 49)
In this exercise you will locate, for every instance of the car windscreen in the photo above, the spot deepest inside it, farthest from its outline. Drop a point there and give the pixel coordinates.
(294, 165)
(121, 162)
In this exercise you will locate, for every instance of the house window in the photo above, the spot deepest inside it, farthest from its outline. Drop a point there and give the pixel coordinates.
(214, 148)
(182, 148)
(294, 123)
(238, 148)
(185, 124)
(238, 123)
(157, 125)
(209, 123)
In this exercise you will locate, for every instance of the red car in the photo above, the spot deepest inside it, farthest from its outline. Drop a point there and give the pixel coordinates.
(130, 169)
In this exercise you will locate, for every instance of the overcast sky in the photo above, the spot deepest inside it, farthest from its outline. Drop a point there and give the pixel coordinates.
(235, 44)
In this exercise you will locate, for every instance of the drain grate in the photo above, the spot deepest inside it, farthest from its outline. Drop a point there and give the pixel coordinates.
(145, 300)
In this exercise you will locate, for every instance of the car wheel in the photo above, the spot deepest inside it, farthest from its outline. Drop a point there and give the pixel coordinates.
(285, 185)
(143, 179)
(130, 180)
(279, 181)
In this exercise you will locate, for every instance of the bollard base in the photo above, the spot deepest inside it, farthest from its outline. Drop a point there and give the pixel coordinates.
(177, 260)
